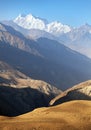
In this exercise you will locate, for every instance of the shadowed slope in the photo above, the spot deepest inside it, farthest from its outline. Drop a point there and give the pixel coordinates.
(15, 101)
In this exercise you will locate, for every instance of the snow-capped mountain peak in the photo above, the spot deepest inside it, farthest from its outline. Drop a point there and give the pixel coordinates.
(57, 28)
(31, 22)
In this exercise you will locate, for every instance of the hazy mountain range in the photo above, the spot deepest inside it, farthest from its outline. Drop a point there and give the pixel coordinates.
(43, 59)
(76, 38)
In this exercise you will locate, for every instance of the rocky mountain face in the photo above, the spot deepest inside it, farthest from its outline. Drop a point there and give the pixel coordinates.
(43, 59)
(20, 93)
(13, 78)
(81, 91)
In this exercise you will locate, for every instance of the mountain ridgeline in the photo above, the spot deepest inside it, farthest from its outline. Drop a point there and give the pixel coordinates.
(43, 59)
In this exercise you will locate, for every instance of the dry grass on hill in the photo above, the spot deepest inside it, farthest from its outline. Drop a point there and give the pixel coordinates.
(74, 115)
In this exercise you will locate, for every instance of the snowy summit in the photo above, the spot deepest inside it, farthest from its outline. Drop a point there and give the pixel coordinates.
(31, 22)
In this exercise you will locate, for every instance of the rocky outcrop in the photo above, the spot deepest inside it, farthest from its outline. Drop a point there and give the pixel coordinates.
(81, 91)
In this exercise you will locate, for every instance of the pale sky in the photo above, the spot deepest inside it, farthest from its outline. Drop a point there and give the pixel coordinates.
(71, 12)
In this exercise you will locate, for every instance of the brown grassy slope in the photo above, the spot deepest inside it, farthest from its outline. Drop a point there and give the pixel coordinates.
(74, 115)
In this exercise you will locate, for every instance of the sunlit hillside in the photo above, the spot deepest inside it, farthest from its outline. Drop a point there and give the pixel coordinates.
(74, 115)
